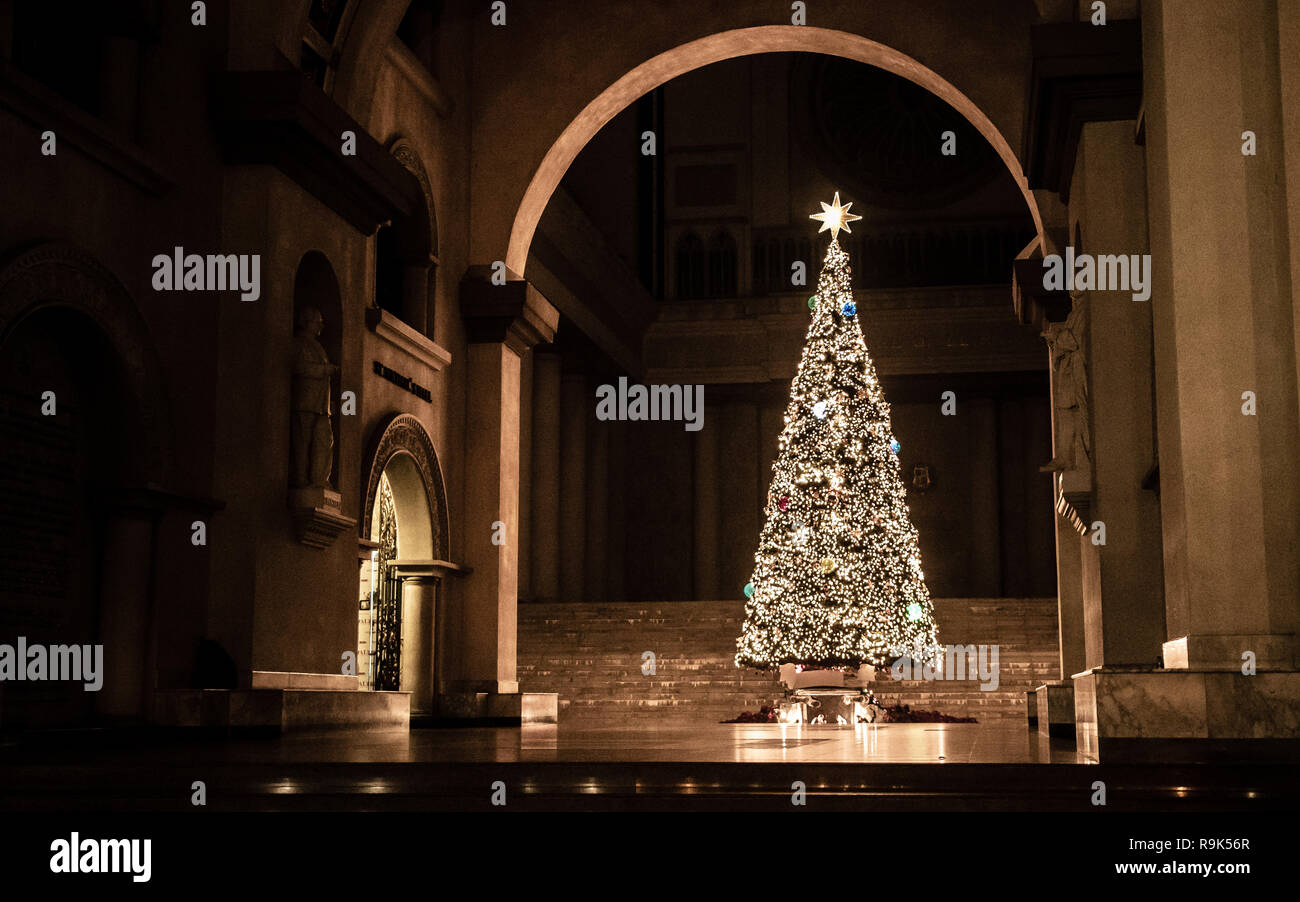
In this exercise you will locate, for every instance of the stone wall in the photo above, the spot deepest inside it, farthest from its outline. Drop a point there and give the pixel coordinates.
(591, 655)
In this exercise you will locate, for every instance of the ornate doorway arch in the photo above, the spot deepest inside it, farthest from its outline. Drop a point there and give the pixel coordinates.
(727, 45)
(403, 436)
(404, 524)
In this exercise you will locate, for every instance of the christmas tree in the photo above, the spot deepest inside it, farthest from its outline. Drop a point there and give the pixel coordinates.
(837, 577)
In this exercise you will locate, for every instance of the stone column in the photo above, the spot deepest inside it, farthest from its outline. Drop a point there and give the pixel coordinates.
(544, 531)
(1110, 193)
(526, 592)
(741, 503)
(576, 406)
(980, 415)
(615, 566)
(1069, 581)
(501, 321)
(708, 475)
(419, 616)
(1224, 324)
(126, 616)
(1222, 305)
(597, 491)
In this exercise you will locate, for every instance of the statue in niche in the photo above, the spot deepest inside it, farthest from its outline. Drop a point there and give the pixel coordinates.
(311, 437)
(1067, 342)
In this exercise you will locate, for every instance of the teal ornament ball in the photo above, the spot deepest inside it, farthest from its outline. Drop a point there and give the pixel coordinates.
(749, 590)
(894, 445)
(812, 303)
(914, 611)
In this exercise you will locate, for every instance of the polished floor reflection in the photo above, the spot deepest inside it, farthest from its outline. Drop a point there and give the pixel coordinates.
(890, 767)
(903, 743)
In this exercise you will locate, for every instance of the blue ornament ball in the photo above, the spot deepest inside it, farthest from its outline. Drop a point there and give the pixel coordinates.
(894, 445)
(749, 590)
(849, 309)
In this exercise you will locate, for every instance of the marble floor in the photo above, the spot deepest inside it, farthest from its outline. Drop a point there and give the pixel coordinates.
(889, 767)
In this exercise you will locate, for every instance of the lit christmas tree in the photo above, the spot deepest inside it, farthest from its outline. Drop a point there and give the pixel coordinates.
(837, 577)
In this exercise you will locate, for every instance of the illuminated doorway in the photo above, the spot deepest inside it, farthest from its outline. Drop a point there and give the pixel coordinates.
(404, 533)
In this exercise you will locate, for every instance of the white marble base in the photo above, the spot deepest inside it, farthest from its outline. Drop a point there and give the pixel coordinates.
(1116, 708)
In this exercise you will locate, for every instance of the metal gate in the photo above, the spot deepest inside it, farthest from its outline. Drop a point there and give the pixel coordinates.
(388, 632)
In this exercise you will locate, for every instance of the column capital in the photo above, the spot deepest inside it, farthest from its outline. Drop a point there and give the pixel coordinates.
(513, 313)
(1079, 73)
(427, 569)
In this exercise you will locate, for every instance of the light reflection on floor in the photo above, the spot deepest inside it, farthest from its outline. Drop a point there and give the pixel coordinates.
(903, 743)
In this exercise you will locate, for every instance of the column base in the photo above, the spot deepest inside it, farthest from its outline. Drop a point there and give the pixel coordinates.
(1055, 704)
(1225, 652)
(499, 708)
(1150, 715)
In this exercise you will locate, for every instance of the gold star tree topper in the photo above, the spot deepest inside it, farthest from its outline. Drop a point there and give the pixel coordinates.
(835, 217)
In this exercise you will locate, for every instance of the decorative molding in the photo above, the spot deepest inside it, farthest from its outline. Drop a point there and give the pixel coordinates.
(404, 434)
(404, 152)
(317, 517)
(1074, 499)
(514, 314)
(1079, 73)
(283, 120)
(61, 275)
(430, 569)
(409, 341)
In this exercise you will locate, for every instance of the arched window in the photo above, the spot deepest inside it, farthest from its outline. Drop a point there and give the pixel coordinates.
(406, 250)
(689, 260)
(722, 258)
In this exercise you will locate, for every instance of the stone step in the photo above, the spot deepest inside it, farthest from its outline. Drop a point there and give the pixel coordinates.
(590, 654)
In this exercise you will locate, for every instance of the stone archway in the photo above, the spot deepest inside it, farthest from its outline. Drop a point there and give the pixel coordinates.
(81, 477)
(61, 275)
(727, 45)
(404, 517)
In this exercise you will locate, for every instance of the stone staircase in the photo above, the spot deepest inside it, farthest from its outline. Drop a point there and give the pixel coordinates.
(591, 655)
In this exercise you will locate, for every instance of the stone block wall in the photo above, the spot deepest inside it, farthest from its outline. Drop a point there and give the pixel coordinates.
(590, 654)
